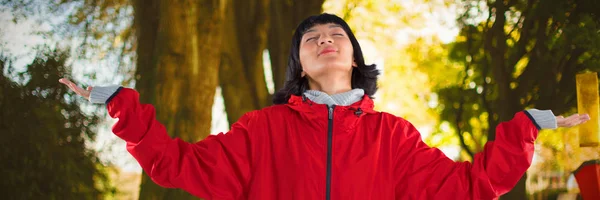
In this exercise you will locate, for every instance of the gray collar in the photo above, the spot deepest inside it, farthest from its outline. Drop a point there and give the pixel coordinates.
(341, 99)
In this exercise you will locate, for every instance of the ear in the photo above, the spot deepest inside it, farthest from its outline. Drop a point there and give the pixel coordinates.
(302, 74)
(354, 64)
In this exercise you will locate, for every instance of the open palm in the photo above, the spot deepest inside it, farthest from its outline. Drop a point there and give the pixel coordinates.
(80, 91)
(572, 120)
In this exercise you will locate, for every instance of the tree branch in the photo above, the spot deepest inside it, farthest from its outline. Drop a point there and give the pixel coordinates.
(566, 85)
(524, 35)
(459, 112)
(540, 48)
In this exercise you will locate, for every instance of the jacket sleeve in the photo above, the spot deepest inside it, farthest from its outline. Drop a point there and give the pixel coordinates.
(426, 173)
(217, 167)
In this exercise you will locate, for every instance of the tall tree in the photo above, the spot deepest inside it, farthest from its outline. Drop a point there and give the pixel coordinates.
(525, 54)
(44, 134)
(178, 55)
(177, 48)
(241, 74)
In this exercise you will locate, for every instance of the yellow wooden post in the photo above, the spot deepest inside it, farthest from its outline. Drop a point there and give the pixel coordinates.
(587, 102)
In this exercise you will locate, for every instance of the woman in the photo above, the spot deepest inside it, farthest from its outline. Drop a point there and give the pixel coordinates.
(322, 139)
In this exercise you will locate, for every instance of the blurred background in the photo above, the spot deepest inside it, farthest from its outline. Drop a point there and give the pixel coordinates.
(454, 68)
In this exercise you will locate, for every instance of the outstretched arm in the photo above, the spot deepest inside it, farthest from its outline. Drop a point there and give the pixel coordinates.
(217, 167)
(426, 173)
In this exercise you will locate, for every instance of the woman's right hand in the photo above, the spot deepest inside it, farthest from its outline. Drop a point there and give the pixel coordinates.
(80, 91)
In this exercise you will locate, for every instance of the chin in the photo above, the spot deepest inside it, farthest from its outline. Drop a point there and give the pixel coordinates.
(336, 67)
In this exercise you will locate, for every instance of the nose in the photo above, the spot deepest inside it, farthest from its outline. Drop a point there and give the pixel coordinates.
(325, 39)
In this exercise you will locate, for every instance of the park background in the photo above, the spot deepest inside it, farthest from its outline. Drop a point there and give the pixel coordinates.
(454, 68)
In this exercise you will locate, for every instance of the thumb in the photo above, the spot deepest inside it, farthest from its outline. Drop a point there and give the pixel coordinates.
(89, 88)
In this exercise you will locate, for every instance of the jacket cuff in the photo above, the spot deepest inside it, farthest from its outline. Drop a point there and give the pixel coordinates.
(103, 94)
(544, 119)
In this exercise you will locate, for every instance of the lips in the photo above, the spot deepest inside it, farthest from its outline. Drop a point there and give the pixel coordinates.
(327, 50)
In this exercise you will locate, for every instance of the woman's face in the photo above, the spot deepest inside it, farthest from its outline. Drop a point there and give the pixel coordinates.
(326, 48)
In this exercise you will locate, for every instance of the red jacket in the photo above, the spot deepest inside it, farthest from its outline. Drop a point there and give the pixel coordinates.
(302, 150)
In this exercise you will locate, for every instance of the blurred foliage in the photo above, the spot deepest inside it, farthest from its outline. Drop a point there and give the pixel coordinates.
(517, 55)
(367, 17)
(550, 194)
(430, 56)
(509, 56)
(558, 151)
(104, 26)
(127, 184)
(44, 135)
(99, 30)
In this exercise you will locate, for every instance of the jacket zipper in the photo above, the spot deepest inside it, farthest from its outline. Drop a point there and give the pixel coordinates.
(329, 146)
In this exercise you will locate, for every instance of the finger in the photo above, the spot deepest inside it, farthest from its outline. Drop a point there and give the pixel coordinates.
(583, 119)
(586, 117)
(576, 120)
(577, 123)
(573, 120)
(69, 84)
(65, 81)
(78, 90)
(565, 122)
(74, 87)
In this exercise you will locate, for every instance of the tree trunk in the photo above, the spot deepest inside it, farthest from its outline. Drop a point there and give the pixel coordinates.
(177, 65)
(519, 191)
(507, 103)
(506, 113)
(241, 76)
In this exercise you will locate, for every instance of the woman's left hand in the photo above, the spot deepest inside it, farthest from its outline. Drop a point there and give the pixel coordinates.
(572, 120)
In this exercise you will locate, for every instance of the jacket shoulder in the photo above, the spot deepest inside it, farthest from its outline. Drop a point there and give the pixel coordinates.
(392, 118)
(266, 111)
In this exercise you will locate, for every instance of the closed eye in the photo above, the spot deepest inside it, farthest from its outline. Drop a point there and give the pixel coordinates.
(309, 39)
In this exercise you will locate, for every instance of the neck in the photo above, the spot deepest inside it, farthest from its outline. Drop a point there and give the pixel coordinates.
(330, 84)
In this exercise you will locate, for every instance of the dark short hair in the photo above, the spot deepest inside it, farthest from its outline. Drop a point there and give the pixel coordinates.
(363, 76)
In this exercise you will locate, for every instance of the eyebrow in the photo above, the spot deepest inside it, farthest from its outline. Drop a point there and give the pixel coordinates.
(330, 26)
